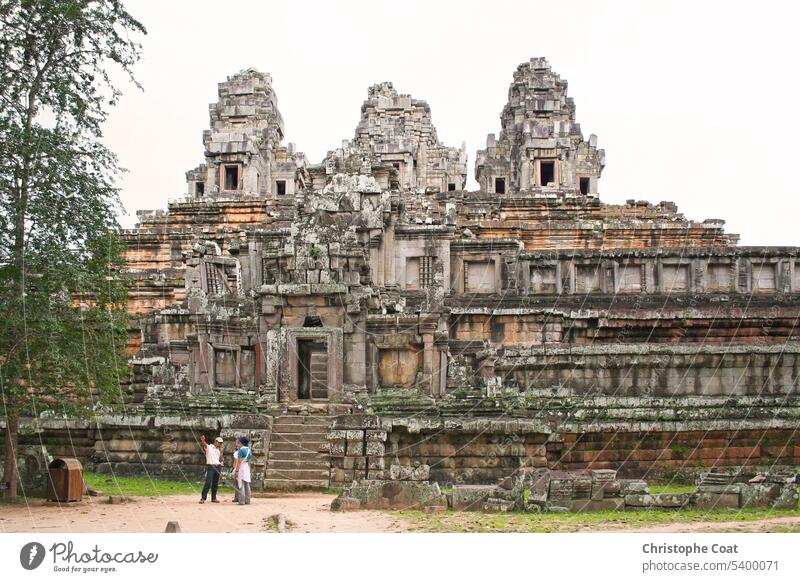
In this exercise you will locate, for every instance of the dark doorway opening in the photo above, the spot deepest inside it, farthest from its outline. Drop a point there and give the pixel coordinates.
(281, 187)
(312, 369)
(548, 170)
(584, 186)
(451, 187)
(500, 185)
(231, 177)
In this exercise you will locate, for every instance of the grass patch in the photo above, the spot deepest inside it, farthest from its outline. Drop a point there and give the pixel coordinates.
(572, 522)
(672, 488)
(144, 486)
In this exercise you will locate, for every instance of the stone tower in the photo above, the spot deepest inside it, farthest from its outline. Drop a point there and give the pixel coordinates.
(540, 146)
(396, 142)
(243, 148)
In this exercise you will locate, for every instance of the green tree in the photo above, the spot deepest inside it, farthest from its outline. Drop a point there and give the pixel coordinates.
(62, 319)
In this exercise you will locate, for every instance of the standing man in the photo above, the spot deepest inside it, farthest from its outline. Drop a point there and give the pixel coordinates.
(213, 468)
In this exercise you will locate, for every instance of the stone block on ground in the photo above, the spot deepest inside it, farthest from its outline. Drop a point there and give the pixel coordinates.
(633, 486)
(345, 504)
(610, 504)
(374, 494)
(471, 497)
(657, 500)
(787, 498)
(758, 493)
(706, 500)
(498, 505)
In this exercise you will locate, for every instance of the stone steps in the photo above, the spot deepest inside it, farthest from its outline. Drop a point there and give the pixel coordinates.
(298, 474)
(281, 465)
(281, 484)
(297, 455)
(296, 458)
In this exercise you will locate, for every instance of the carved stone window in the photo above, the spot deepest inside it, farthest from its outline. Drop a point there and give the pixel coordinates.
(271, 272)
(719, 277)
(543, 279)
(675, 278)
(764, 279)
(630, 278)
(500, 185)
(280, 187)
(584, 186)
(419, 272)
(587, 279)
(479, 277)
(222, 278)
(225, 364)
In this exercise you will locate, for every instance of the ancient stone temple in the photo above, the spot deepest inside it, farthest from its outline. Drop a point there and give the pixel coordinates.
(368, 314)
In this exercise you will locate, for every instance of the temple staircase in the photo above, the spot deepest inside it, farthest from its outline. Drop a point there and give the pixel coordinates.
(297, 457)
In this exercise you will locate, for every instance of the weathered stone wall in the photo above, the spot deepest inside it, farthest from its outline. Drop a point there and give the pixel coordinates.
(657, 454)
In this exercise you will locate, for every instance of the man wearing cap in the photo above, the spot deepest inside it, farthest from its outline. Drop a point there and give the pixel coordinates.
(213, 468)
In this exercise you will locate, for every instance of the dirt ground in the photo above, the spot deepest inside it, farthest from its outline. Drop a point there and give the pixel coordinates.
(758, 525)
(306, 512)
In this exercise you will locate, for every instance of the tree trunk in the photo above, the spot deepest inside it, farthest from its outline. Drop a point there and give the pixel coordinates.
(10, 465)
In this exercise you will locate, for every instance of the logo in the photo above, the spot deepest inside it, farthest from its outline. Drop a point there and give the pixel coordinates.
(31, 555)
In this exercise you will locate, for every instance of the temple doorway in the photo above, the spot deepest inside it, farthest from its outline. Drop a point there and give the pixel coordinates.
(312, 369)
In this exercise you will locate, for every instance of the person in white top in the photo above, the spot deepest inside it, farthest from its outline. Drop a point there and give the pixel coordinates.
(213, 468)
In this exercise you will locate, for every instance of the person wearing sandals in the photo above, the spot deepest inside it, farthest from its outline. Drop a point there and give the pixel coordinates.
(241, 472)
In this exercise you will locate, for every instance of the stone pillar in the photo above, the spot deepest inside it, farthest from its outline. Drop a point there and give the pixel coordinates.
(526, 173)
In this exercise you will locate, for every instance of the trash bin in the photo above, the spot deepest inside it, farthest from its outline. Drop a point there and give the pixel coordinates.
(65, 480)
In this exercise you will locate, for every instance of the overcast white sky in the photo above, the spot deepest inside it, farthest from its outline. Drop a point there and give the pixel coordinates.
(694, 102)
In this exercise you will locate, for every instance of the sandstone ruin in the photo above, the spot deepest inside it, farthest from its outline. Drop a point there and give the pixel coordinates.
(367, 316)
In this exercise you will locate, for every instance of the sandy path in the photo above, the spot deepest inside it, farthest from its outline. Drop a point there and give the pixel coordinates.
(307, 512)
(758, 525)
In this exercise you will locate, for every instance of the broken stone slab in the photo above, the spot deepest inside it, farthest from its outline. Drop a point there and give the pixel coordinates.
(345, 504)
(356, 421)
(497, 505)
(173, 527)
(604, 484)
(633, 486)
(373, 494)
(404, 473)
(609, 504)
(759, 493)
(657, 500)
(538, 482)
(561, 489)
(471, 497)
(708, 500)
(787, 498)
(720, 489)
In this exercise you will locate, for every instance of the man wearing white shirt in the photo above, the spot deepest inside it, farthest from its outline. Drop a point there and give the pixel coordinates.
(213, 468)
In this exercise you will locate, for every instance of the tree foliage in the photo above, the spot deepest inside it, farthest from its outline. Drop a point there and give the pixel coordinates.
(62, 322)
